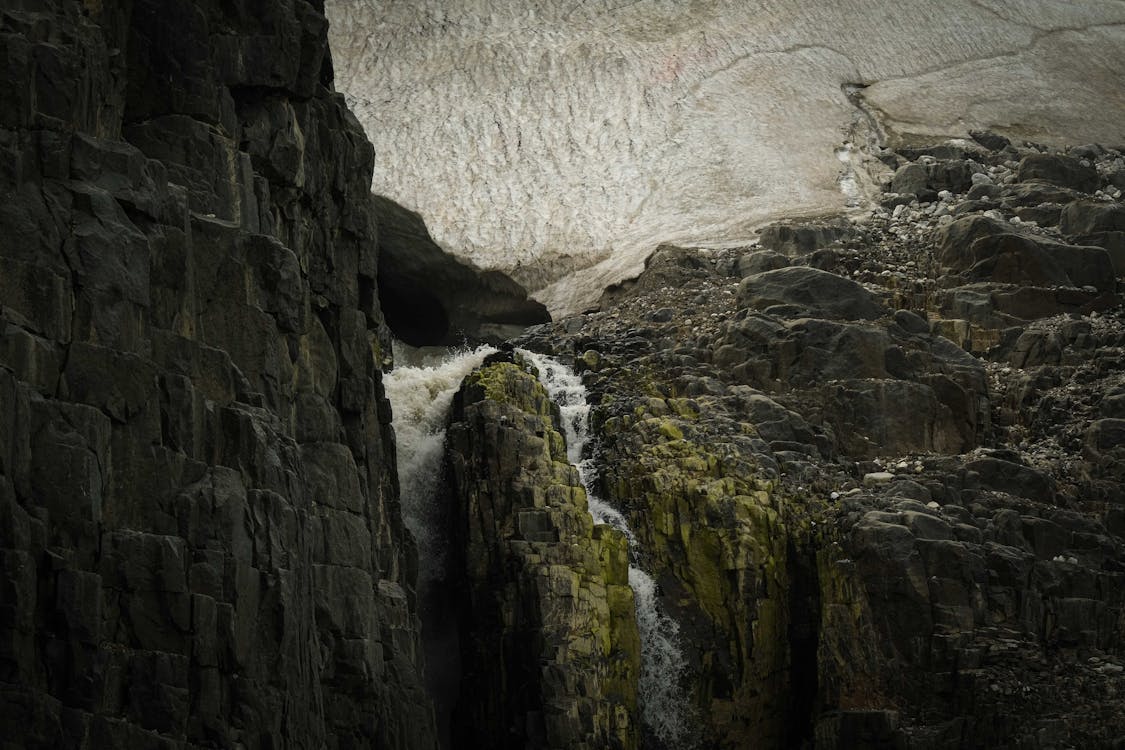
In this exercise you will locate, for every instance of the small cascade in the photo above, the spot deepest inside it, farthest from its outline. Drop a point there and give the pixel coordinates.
(421, 390)
(664, 707)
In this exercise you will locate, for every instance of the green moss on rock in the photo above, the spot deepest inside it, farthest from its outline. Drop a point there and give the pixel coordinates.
(546, 602)
(716, 534)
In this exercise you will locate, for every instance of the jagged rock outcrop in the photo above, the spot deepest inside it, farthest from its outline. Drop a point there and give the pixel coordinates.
(199, 531)
(897, 528)
(550, 655)
(964, 594)
(431, 298)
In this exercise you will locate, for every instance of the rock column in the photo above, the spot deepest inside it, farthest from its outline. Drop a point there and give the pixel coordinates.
(549, 646)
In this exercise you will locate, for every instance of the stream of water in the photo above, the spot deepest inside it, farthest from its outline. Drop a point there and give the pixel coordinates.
(664, 706)
(421, 389)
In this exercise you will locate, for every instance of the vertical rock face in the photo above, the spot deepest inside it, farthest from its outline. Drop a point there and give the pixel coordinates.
(549, 645)
(708, 514)
(199, 532)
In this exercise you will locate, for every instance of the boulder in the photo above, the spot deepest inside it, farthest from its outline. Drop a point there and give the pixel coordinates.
(990, 140)
(954, 175)
(810, 292)
(1036, 193)
(910, 179)
(795, 239)
(1057, 169)
(1087, 217)
(1100, 224)
(948, 172)
(985, 249)
(760, 262)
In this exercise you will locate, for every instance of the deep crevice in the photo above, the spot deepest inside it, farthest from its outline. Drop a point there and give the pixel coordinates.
(804, 635)
(414, 315)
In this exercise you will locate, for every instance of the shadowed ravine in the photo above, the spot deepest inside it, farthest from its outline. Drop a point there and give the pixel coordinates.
(836, 461)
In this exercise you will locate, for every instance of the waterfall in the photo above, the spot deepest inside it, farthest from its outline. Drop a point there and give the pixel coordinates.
(421, 394)
(664, 707)
(421, 390)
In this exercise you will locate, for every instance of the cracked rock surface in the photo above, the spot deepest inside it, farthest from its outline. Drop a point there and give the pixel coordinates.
(875, 465)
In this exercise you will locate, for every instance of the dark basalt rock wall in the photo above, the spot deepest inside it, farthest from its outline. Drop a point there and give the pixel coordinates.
(433, 299)
(199, 532)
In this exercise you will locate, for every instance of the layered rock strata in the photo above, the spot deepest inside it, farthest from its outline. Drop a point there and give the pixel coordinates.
(199, 530)
(550, 654)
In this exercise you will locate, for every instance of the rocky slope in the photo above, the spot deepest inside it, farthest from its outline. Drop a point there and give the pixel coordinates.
(199, 528)
(875, 464)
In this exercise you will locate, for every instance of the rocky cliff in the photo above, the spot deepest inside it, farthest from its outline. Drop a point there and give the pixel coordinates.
(875, 464)
(199, 528)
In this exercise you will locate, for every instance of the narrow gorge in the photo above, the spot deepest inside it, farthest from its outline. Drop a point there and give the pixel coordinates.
(698, 375)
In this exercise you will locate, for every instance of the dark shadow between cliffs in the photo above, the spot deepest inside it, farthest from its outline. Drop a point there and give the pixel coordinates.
(430, 298)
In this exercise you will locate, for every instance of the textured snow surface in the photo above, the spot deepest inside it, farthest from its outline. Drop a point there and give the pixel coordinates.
(561, 140)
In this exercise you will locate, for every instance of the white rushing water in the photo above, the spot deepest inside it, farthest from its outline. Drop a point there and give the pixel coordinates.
(664, 707)
(421, 394)
(421, 389)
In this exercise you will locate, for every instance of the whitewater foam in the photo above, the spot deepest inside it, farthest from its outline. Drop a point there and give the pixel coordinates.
(420, 397)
